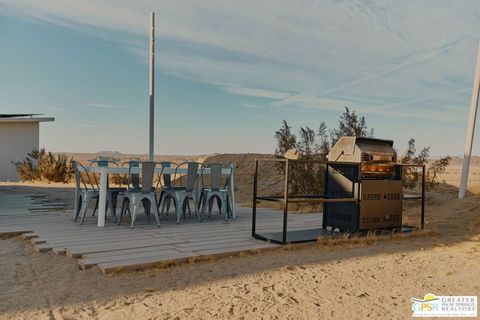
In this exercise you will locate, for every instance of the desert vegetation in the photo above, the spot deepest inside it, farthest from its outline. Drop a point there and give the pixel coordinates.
(40, 165)
(313, 144)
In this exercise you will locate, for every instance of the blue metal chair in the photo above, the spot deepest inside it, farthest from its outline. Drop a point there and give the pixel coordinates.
(183, 189)
(86, 190)
(166, 187)
(213, 189)
(144, 193)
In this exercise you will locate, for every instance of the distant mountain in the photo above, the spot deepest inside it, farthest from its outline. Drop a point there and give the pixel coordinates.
(458, 161)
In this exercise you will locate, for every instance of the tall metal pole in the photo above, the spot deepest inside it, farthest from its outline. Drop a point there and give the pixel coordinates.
(470, 129)
(151, 88)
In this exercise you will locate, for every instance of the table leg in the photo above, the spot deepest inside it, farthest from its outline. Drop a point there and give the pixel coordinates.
(77, 195)
(102, 197)
(234, 204)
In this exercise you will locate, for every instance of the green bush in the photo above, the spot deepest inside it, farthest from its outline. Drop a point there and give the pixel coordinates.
(39, 165)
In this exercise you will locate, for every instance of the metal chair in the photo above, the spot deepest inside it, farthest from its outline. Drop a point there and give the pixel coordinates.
(184, 189)
(146, 192)
(166, 186)
(86, 190)
(215, 190)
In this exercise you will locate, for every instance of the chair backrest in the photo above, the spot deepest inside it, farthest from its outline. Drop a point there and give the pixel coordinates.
(103, 163)
(81, 182)
(191, 177)
(133, 178)
(228, 180)
(167, 178)
(215, 175)
(147, 169)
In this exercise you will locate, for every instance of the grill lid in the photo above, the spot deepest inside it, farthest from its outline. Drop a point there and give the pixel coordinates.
(361, 149)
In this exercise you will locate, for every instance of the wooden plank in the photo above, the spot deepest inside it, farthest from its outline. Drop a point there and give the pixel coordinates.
(163, 261)
(28, 236)
(246, 243)
(77, 251)
(218, 252)
(123, 252)
(86, 263)
(104, 240)
(147, 262)
(59, 251)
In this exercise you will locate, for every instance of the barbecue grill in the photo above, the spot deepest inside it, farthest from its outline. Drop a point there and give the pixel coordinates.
(364, 168)
(362, 190)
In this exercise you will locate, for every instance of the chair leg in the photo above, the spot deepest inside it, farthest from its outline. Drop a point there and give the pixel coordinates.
(210, 205)
(124, 208)
(168, 204)
(114, 206)
(111, 205)
(96, 206)
(199, 204)
(197, 212)
(79, 207)
(219, 204)
(86, 202)
(224, 205)
(204, 204)
(155, 210)
(146, 206)
(160, 198)
(229, 206)
(133, 208)
(165, 201)
(178, 207)
(147, 212)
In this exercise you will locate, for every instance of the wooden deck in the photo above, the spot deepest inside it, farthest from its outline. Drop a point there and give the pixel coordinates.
(115, 248)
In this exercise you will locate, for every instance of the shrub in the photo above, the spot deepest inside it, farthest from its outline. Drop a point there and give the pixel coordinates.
(39, 165)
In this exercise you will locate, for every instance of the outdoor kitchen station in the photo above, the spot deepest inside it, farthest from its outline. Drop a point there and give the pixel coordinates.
(362, 191)
(374, 175)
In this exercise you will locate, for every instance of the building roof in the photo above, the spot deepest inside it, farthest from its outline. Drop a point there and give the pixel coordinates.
(24, 117)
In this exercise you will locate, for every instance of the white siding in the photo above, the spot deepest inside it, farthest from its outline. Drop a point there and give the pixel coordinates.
(16, 140)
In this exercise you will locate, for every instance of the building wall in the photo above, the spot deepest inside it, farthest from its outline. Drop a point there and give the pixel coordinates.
(16, 140)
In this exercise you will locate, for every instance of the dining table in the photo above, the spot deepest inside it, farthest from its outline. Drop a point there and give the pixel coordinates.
(104, 171)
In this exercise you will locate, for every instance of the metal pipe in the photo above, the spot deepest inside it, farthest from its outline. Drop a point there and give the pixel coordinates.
(285, 203)
(423, 197)
(470, 130)
(151, 87)
(254, 205)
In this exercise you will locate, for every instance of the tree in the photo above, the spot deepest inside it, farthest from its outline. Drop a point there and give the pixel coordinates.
(313, 145)
(437, 167)
(349, 124)
(286, 140)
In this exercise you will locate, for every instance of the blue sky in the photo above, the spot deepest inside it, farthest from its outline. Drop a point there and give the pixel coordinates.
(228, 72)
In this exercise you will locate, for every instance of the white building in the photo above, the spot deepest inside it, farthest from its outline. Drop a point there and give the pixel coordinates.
(19, 134)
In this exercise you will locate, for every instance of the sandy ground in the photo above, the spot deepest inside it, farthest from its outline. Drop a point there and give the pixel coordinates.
(371, 279)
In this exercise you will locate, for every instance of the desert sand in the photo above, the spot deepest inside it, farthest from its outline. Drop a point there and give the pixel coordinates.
(342, 280)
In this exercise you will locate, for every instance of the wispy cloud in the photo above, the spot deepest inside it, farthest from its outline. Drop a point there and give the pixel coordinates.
(258, 93)
(105, 106)
(379, 57)
(251, 106)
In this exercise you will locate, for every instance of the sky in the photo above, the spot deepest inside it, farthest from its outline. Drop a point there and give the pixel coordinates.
(228, 72)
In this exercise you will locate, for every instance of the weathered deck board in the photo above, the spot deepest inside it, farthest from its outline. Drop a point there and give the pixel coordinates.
(117, 247)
